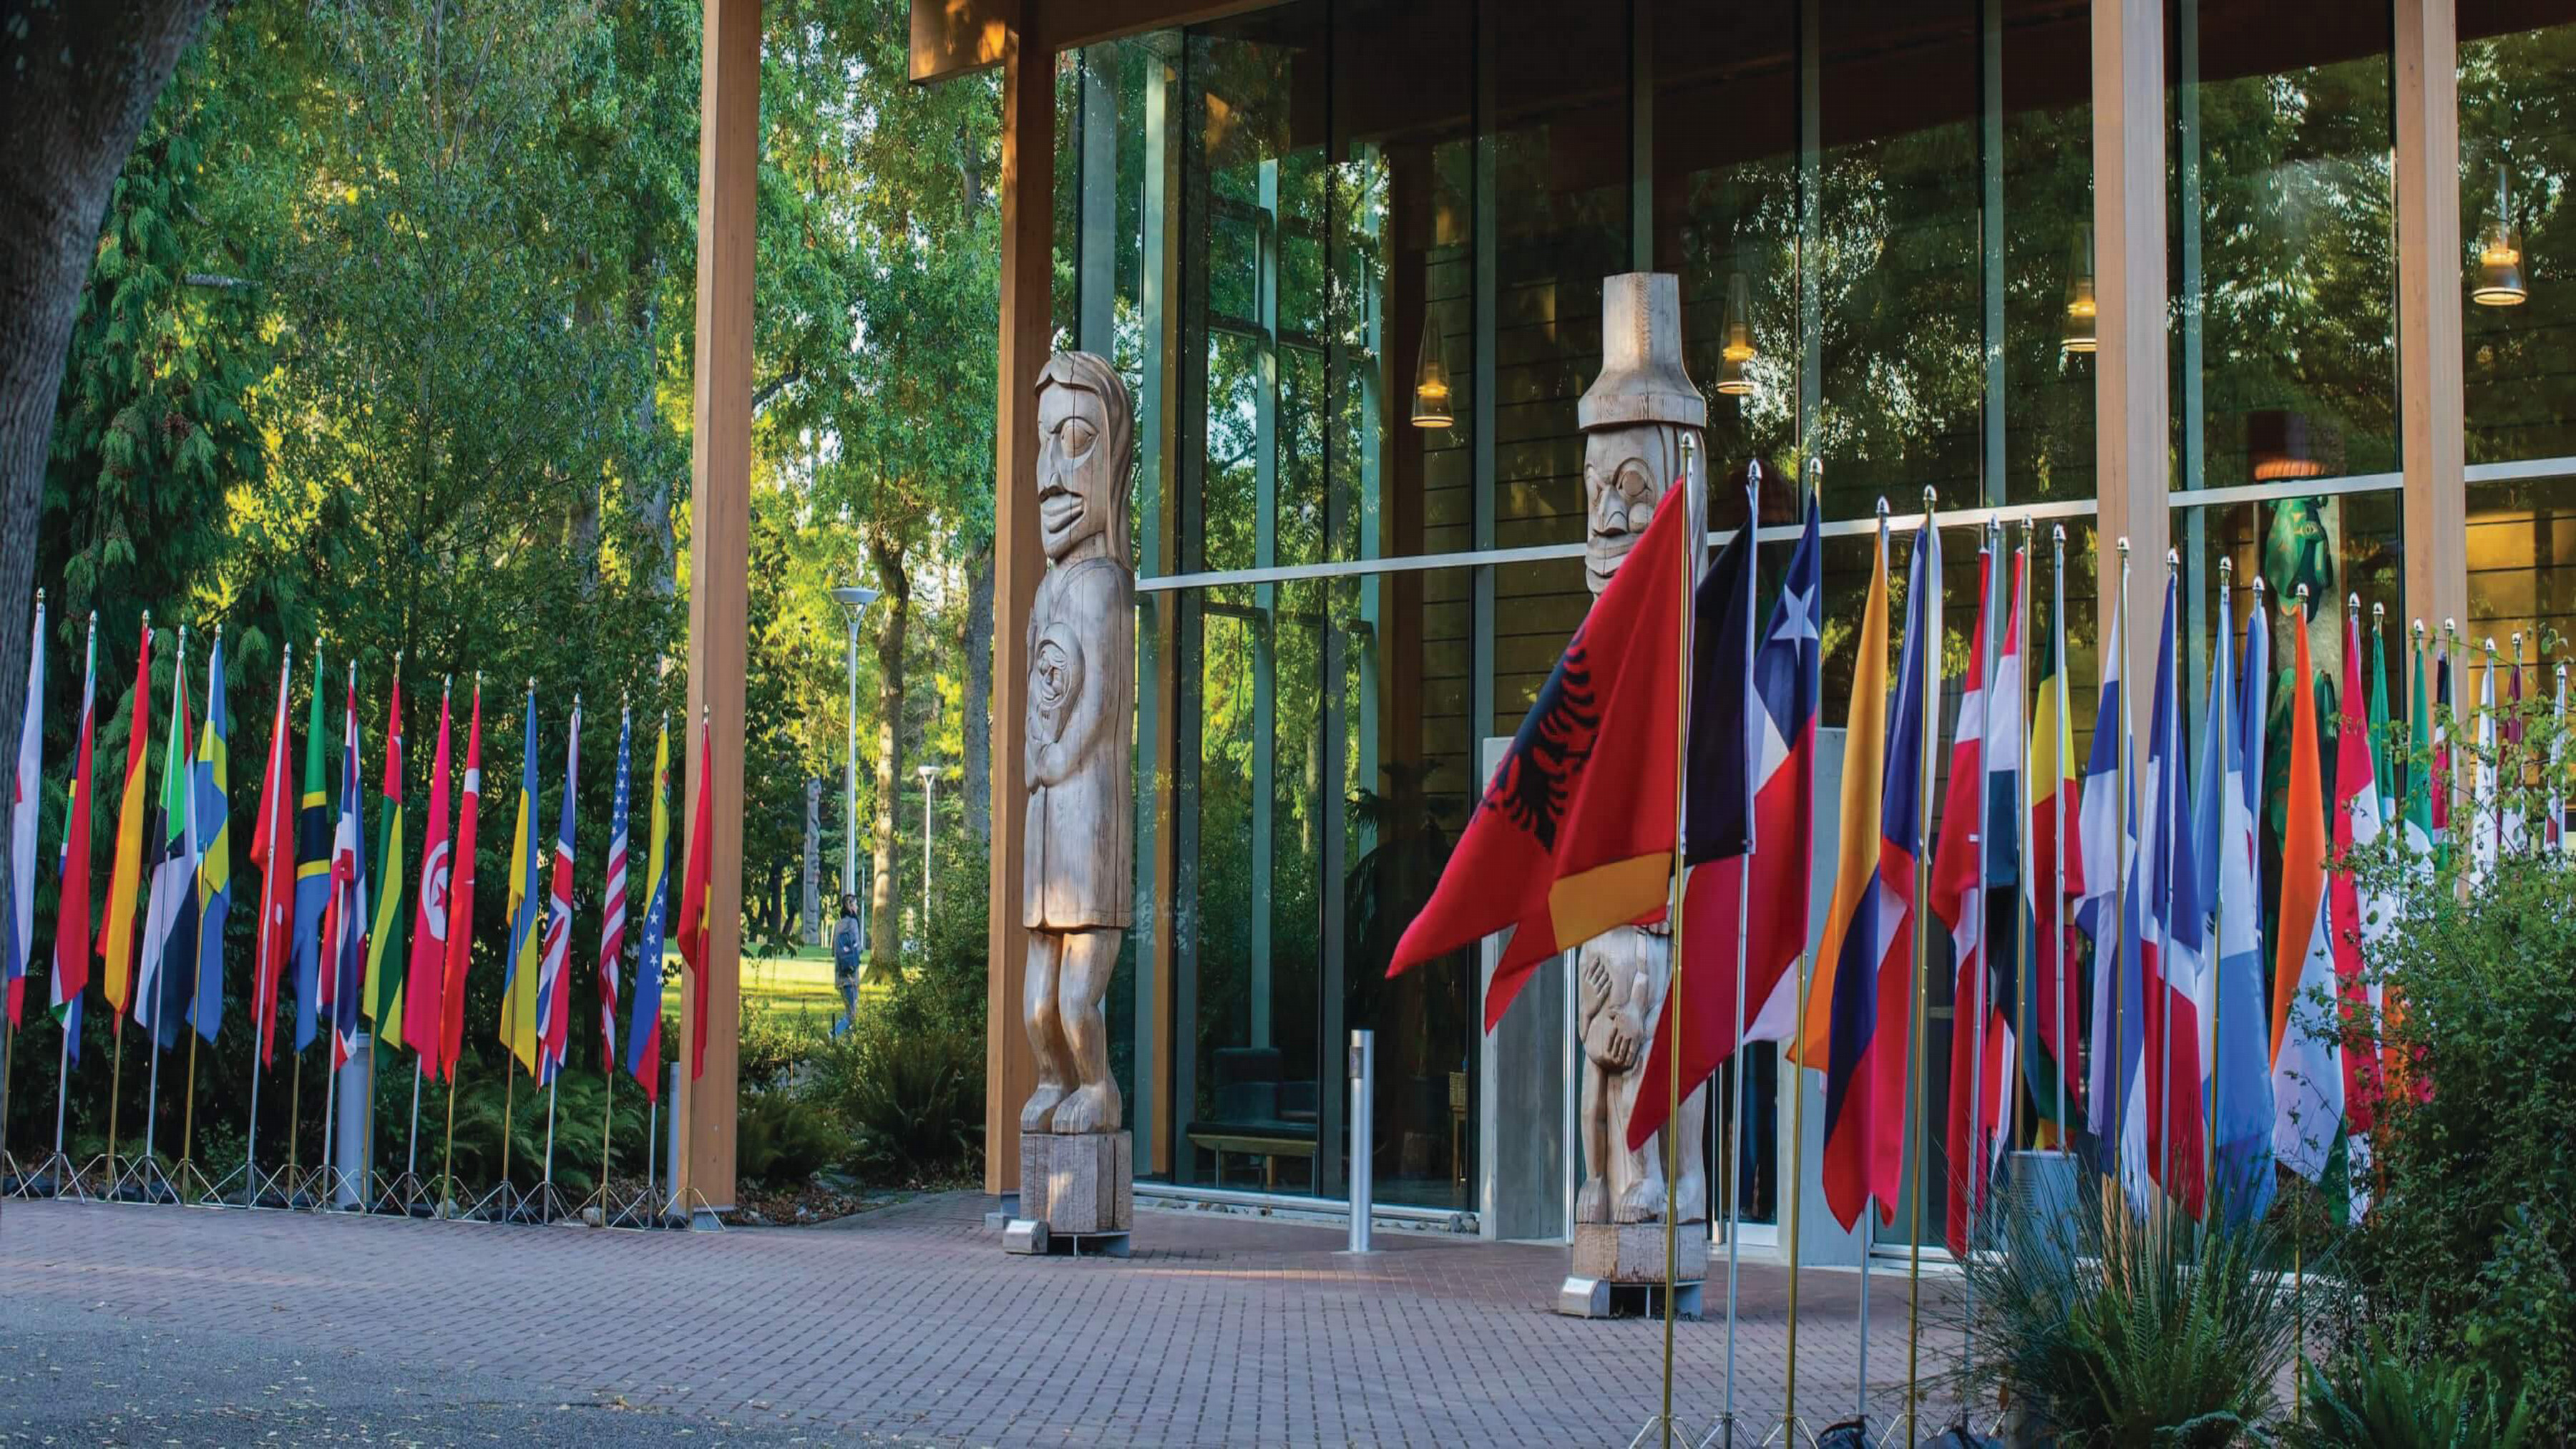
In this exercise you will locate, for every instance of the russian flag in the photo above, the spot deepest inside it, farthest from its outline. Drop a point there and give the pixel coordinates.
(2170, 930)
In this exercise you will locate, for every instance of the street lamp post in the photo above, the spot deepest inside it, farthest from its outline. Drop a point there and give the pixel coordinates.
(929, 781)
(854, 600)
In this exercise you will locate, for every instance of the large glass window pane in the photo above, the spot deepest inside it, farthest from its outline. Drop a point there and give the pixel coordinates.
(2285, 278)
(1899, 269)
(2045, 126)
(2517, 165)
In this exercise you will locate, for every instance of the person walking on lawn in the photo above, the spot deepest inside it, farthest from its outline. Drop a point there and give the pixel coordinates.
(849, 949)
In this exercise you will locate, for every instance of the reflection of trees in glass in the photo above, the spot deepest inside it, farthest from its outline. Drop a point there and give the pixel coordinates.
(2299, 273)
(2518, 112)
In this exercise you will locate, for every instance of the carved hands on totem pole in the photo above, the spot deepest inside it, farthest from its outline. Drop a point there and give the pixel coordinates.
(1634, 418)
(1079, 866)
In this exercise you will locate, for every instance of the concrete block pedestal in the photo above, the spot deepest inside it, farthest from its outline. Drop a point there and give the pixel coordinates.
(1077, 1195)
(1618, 1270)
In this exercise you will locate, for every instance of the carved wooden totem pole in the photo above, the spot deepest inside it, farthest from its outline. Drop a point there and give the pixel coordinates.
(1633, 417)
(1077, 1164)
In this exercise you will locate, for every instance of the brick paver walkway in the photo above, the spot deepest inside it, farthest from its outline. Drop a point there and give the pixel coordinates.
(909, 1322)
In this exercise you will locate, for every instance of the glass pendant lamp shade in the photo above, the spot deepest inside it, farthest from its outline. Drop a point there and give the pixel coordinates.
(2081, 307)
(2278, 446)
(2500, 280)
(1737, 347)
(1432, 407)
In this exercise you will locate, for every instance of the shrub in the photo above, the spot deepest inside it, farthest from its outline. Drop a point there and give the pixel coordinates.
(2382, 1399)
(774, 1042)
(2110, 1329)
(918, 1110)
(2471, 1235)
(781, 1139)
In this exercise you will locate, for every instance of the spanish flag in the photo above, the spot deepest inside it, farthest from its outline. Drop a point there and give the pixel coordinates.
(125, 876)
(1576, 832)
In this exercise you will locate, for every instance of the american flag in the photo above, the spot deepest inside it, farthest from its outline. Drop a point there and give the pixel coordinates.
(612, 911)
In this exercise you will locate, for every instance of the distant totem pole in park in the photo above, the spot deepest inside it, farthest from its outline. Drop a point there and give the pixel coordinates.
(1077, 1166)
(1634, 418)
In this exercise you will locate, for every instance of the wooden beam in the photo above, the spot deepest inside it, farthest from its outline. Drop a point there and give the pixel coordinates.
(2132, 395)
(958, 37)
(1028, 282)
(720, 553)
(2430, 402)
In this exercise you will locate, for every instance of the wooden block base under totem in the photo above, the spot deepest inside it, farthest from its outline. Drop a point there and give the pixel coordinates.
(1078, 1186)
(1634, 1252)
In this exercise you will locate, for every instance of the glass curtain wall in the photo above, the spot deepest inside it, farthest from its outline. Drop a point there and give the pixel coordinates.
(2517, 164)
(1348, 255)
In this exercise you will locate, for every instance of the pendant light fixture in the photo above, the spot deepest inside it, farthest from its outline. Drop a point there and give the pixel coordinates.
(1737, 348)
(1431, 405)
(2081, 308)
(2500, 281)
(2279, 446)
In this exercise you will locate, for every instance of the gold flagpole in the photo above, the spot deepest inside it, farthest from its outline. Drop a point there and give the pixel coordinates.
(2059, 737)
(607, 1120)
(294, 1125)
(509, 1105)
(1926, 728)
(188, 1114)
(1796, 1074)
(1691, 517)
(447, 1163)
(2117, 1078)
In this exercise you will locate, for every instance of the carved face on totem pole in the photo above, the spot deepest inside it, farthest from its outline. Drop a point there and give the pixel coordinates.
(1085, 443)
(1633, 417)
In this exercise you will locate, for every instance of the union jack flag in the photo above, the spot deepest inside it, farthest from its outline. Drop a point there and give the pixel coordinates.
(554, 998)
(612, 910)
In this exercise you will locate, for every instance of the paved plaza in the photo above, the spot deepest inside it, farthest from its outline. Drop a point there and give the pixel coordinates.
(170, 1325)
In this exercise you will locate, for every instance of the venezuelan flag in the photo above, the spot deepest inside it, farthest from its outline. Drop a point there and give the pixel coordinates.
(519, 1025)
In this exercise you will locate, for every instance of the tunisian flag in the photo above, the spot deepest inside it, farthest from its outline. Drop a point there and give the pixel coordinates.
(1575, 834)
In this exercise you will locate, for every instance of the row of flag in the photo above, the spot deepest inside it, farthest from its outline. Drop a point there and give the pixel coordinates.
(331, 906)
(2113, 977)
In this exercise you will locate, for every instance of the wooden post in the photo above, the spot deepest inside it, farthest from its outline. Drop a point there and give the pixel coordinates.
(2132, 394)
(719, 553)
(2430, 402)
(1028, 279)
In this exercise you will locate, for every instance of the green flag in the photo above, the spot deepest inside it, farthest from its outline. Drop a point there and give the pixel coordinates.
(2419, 762)
(384, 986)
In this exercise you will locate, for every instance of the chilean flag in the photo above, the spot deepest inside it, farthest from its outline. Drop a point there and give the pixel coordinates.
(1782, 757)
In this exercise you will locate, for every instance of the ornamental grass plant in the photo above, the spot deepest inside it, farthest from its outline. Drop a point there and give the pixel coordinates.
(2111, 1328)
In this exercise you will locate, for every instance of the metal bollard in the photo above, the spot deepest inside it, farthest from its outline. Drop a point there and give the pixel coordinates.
(1363, 1112)
(355, 1105)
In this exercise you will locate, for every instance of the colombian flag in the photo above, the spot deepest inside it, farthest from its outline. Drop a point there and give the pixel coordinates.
(125, 877)
(644, 1028)
(1568, 840)
(1853, 986)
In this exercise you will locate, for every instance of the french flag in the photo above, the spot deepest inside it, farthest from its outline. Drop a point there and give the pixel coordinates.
(1780, 749)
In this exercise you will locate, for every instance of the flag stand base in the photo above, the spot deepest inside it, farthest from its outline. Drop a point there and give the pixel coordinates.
(322, 1189)
(1653, 1431)
(141, 1181)
(195, 1188)
(246, 1187)
(1791, 1432)
(54, 1177)
(405, 1196)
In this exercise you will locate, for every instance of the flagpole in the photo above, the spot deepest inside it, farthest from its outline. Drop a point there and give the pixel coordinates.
(2220, 689)
(2164, 828)
(411, 1154)
(652, 1130)
(447, 1164)
(2057, 752)
(1930, 705)
(546, 1183)
(63, 1088)
(2123, 828)
(188, 1115)
(331, 1096)
(1692, 517)
(1743, 938)
(1869, 1202)
(1981, 981)
(152, 1089)
(509, 1105)
(115, 1089)
(250, 1135)
(2026, 957)
(2459, 684)
(294, 1122)
(607, 1120)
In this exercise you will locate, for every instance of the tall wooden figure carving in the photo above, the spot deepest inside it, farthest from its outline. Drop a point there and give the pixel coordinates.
(1077, 1164)
(1633, 418)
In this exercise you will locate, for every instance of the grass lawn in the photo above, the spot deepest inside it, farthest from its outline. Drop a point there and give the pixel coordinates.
(800, 984)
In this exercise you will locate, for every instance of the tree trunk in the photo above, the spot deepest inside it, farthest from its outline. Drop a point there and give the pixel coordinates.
(978, 704)
(812, 933)
(81, 78)
(885, 936)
